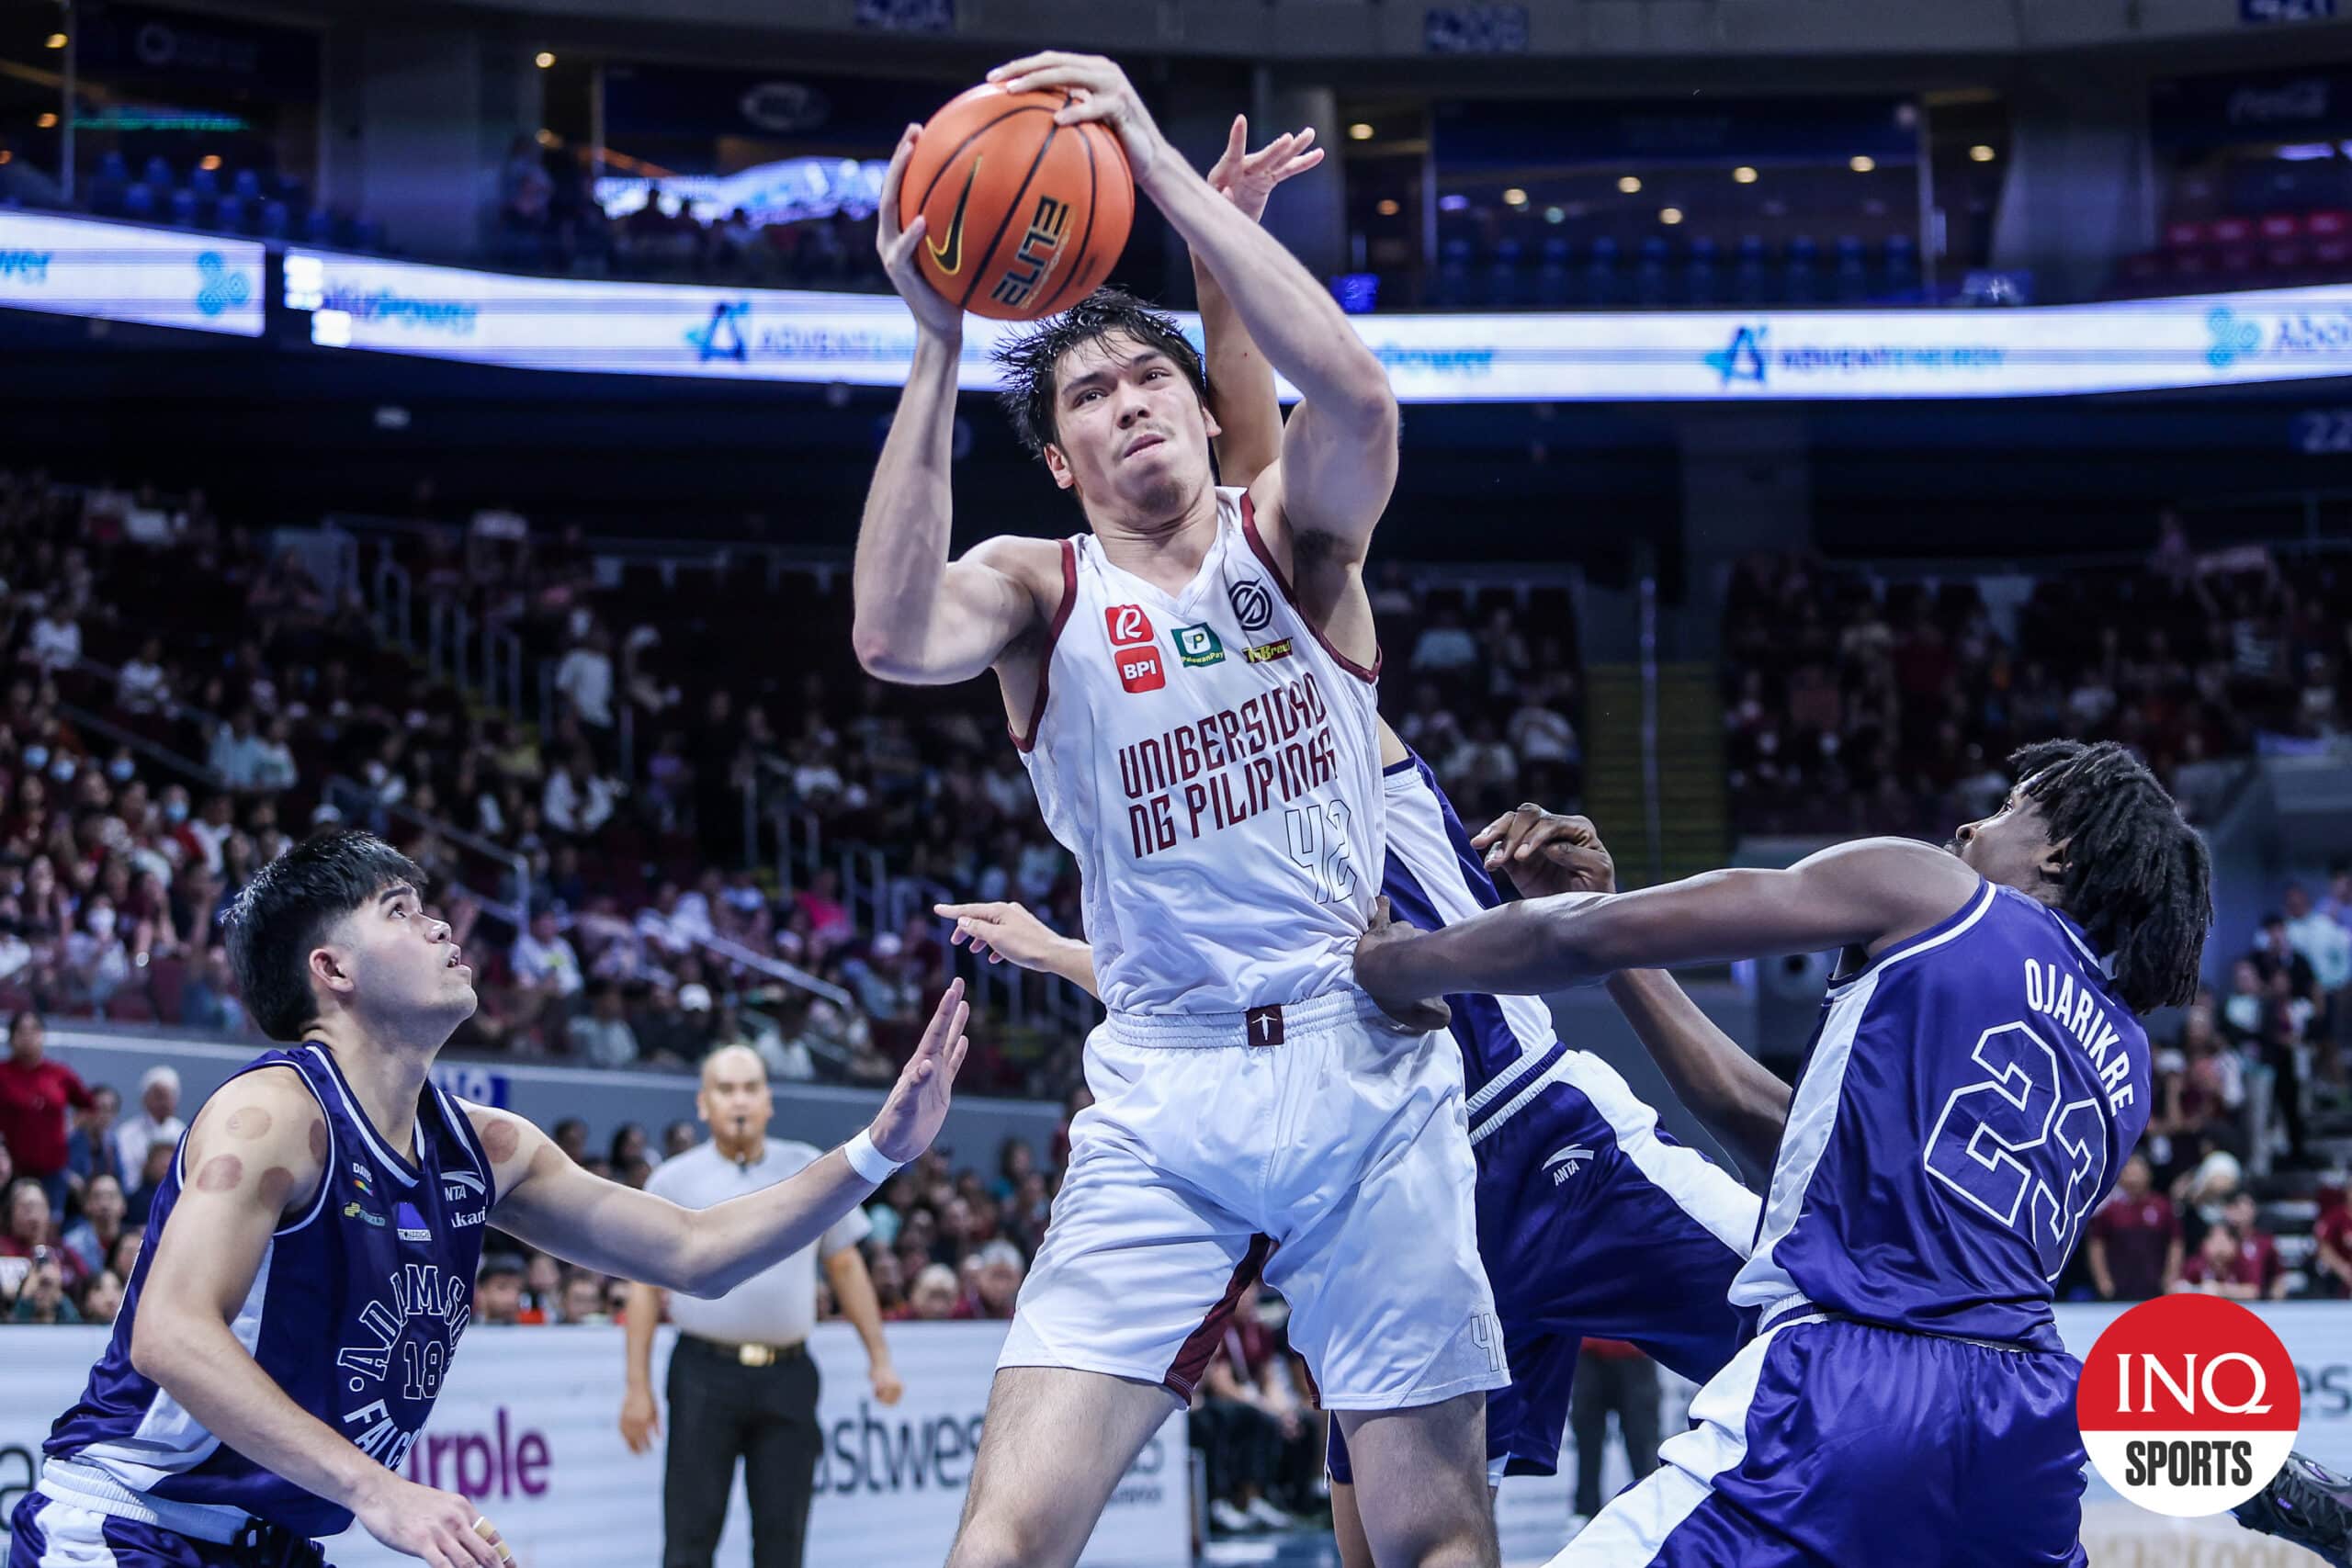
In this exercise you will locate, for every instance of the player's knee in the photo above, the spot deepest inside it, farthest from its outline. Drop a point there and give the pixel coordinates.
(993, 1539)
(1464, 1546)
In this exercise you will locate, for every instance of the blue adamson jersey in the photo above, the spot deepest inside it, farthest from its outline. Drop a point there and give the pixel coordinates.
(1968, 1098)
(1432, 877)
(354, 1312)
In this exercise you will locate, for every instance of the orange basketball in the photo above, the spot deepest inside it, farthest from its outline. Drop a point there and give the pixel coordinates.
(1024, 216)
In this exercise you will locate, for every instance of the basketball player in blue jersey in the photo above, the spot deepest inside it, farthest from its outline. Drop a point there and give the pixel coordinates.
(308, 1268)
(1978, 1074)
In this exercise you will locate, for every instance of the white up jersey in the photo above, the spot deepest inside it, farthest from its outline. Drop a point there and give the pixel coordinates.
(1214, 766)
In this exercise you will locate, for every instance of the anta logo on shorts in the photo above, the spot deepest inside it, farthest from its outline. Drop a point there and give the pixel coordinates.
(1127, 624)
(1566, 1162)
(1139, 668)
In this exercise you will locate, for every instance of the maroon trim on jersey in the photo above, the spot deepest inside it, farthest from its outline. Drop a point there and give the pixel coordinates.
(1266, 559)
(1045, 657)
(1185, 1373)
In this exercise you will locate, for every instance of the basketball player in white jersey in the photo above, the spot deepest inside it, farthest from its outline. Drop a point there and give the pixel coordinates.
(1191, 686)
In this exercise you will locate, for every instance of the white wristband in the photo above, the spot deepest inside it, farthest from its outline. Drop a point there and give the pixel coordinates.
(868, 1161)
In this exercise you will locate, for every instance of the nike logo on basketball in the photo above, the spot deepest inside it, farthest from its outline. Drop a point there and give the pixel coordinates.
(949, 252)
(1569, 1160)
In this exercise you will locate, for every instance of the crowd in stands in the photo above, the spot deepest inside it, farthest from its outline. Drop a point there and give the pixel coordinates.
(1856, 704)
(2237, 1086)
(619, 820)
(550, 221)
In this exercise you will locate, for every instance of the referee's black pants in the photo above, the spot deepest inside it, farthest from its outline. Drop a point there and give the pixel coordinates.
(720, 1411)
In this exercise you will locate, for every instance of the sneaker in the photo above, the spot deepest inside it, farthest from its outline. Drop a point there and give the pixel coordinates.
(1229, 1518)
(1268, 1515)
(2307, 1504)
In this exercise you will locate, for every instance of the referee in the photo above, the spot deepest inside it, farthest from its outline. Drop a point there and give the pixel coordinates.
(741, 1383)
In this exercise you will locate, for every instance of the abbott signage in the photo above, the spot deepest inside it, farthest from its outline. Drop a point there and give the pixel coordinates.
(117, 272)
(527, 1426)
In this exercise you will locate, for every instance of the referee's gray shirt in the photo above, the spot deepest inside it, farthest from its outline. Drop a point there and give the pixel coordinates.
(779, 1304)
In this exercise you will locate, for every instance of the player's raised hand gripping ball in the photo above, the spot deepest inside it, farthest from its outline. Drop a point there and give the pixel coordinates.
(1022, 216)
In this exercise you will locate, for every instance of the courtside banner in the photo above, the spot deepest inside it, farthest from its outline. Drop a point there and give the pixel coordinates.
(120, 271)
(528, 1426)
(1614, 357)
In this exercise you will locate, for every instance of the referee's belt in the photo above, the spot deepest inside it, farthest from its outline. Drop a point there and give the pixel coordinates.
(745, 1355)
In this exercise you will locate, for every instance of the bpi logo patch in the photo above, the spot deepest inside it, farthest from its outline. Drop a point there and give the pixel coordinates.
(1124, 623)
(1139, 668)
(2188, 1404)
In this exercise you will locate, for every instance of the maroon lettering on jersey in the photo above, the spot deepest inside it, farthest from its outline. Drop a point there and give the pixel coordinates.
(1125, 624)
(1139, 668)
(1265, 1025)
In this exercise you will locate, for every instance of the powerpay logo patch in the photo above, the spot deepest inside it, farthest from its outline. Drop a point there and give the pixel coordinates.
(1198, 647)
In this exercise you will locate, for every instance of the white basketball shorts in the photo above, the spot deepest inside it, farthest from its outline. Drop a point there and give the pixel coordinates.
(1316, 1144)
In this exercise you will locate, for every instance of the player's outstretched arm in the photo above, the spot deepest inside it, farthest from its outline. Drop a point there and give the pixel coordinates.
(921, 618)
(1728, 1090)
(1858, 894)
(1241, 384)
(253, 1163)
(1008, 932)
(554, 1205)
(1545, 853)
(1340, 447)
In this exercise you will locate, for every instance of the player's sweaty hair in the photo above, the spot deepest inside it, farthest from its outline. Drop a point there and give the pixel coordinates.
(287, 908)
(2137, 876)
(1028, 360)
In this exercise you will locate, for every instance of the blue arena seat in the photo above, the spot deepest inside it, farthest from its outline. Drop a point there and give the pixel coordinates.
(1851, 281)
(1703, 281)
(1800, 274)
(1604, 284)
(1653, 284)
(1503, 287)
(1751, 280)
(1553, 287)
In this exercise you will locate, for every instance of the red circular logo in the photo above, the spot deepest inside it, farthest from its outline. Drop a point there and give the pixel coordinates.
(2188, 1404)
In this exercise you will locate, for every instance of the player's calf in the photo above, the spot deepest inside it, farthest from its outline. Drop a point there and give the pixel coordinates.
(1421, 1493)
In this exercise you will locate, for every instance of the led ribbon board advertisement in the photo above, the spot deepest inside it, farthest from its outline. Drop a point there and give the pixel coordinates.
(1617, 356)
(117, 272)
(529, 1427)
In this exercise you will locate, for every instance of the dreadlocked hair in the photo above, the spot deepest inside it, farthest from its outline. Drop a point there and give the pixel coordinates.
(2137, 876)
(1028, 360)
